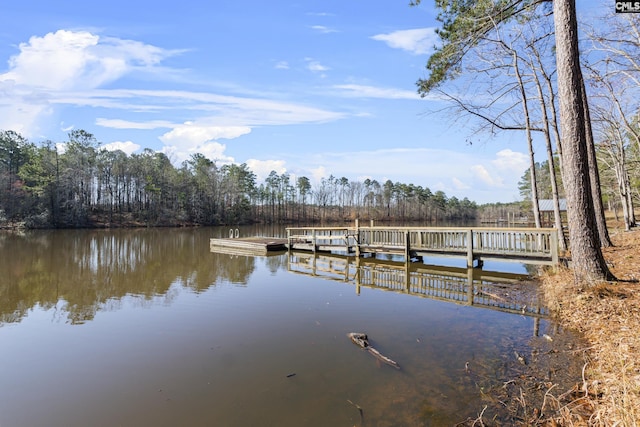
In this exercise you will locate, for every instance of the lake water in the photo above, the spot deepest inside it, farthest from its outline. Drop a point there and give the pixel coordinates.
(147, 327)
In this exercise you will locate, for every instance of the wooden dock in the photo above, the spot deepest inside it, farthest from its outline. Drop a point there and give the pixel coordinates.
(526, 245)
(248, 245)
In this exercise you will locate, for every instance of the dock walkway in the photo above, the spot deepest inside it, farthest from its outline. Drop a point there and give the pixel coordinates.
(528, 245)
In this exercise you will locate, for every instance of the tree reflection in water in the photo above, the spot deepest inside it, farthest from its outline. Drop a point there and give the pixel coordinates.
(176, 335)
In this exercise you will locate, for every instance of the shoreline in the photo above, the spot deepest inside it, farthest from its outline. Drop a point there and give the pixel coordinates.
(607, 316)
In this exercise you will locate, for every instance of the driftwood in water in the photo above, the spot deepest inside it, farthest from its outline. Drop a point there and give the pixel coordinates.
(359, 410)
(362, 341)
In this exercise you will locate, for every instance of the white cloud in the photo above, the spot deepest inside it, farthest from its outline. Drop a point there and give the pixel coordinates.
(511, 161)
(226, 110)
(481, 173)
(127, 124)
(363, 91)
(64, 128)
(77, 60)
(458, 184)
(323, 29)
(418, 41)
(21, 110)
(506, 167)
(71, 68)
(282, 65)
(125, 146)
(262, 168)
(190, 138)
(315, 66)
(190, 134)
(54, 61)
(212, 150)
(65, 61)
(317, 174)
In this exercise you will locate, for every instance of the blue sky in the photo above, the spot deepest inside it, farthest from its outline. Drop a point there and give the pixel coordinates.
(305, 87)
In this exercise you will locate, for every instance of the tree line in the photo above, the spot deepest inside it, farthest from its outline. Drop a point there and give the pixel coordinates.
(85, 185)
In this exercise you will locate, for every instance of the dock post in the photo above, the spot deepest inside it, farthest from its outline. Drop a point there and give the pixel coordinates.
(469, 248)
(357, 238)
(407, 246)
(356, 278)
(289, 240)
(554, 247)
(313, 240)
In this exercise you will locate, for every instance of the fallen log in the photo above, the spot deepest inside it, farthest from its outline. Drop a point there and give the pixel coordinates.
(361, 340)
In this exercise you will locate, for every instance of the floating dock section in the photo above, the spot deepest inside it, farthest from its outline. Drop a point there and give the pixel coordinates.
(248, 245)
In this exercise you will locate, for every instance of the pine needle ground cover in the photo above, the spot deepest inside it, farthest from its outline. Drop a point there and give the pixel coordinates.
(607, 315)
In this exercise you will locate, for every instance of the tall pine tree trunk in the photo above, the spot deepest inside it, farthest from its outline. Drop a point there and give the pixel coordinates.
(587, 260)
(594, 175)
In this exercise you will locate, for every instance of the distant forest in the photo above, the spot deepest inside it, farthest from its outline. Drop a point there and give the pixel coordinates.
(86, 186)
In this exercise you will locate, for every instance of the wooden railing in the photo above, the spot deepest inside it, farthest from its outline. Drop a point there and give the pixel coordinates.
(532, 245)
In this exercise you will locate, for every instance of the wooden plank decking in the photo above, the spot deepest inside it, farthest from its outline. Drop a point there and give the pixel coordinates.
(248, 245)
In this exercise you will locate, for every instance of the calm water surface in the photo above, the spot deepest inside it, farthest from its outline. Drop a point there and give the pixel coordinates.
(150, 328)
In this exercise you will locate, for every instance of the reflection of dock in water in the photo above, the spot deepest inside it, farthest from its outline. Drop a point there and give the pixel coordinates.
(468, 286)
